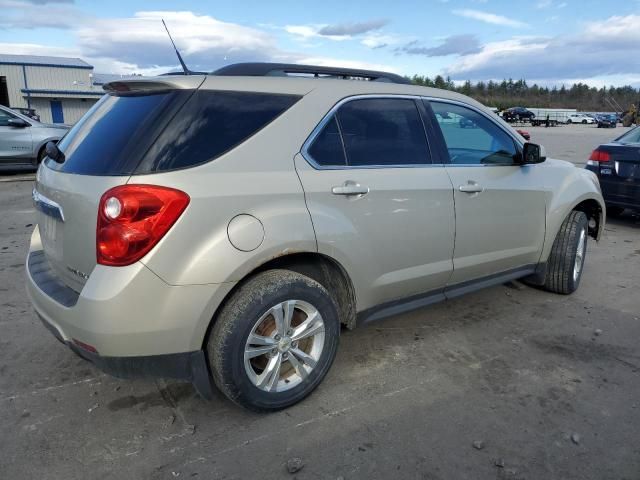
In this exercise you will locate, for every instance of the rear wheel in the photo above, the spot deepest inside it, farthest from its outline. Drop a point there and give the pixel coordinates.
(566, 261)
(584, 122)
(274, 341)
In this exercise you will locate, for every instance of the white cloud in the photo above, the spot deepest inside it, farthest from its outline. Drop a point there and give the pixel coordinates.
(307, 32)
(37, 49)
(378, 40)
(550, 3)
(334, 62)
(304, 31)
(490, 18)
(141, 39)
(601, 49)
(32, 14)
(139, 44)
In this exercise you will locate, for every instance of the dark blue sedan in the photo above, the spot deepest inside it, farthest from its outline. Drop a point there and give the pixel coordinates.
(606, 120)
(617, 165)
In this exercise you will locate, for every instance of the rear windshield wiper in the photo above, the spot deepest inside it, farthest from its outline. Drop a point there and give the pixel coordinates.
(54, 153)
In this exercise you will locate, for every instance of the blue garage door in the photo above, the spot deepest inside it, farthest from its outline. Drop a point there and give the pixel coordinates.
(57, 115)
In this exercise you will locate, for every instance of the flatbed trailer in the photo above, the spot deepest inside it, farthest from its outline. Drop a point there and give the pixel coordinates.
(539, 122)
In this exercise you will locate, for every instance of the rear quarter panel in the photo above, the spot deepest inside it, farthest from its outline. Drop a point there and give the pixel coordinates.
(256, 178)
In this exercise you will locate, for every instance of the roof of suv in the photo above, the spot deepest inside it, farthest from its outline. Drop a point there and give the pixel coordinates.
(296, 85)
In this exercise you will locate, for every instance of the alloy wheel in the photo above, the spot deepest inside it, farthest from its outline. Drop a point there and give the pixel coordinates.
(284, 346)
(580, 251)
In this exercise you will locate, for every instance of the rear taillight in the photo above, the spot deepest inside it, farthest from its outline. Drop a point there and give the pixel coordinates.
(132, 219)
(600, 156)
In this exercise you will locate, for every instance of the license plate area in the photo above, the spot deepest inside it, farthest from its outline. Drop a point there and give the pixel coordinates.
(51, 232)
(628, 170)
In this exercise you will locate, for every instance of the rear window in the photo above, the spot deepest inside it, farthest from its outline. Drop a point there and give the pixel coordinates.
(137, 134)
(632, 136)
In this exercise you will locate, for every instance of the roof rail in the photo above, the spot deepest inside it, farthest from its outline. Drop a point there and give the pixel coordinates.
(259, 69)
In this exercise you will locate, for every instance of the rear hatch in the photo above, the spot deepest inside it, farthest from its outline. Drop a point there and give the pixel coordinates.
(138, 128)
(101, 151)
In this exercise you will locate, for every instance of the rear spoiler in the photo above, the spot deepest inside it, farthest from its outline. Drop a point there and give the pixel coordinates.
(154, 84)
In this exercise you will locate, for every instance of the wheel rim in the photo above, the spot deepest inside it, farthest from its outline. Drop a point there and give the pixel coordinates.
(284, 346)
(580, 251)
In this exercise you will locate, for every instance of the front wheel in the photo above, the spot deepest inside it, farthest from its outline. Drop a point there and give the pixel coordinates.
(274, 340)
(566, 261)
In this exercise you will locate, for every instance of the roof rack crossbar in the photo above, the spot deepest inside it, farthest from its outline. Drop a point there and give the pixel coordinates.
(258, 69)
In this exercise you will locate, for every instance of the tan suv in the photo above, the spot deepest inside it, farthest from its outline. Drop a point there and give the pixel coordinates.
(223, 228)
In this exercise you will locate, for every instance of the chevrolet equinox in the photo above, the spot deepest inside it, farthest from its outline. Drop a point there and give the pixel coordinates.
(222, 228)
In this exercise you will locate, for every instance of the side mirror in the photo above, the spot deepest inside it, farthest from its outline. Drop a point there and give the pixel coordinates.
(532, 153)
(18, 123)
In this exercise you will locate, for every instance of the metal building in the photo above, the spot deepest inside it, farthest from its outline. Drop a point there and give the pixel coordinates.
(60, 89)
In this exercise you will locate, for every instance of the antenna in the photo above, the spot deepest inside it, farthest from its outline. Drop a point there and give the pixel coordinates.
(184, 66)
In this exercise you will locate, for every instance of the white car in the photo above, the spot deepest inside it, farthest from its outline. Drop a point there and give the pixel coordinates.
(580, 118)
(23, 139)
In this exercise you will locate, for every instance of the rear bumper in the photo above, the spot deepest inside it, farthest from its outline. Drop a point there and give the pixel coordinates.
(616, 191)
(615, 202)
(188, 366)
(137, 323)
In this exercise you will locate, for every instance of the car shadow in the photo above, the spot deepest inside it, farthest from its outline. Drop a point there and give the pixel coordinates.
(628, 218)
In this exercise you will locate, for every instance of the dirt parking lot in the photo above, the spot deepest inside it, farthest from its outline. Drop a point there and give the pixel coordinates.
(509, 383)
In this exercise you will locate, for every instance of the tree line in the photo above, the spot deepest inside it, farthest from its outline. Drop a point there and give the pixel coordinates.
(510, 93)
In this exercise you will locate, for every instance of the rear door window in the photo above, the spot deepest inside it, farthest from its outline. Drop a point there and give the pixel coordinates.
(125, 134)
(383, 132)
(327, 148)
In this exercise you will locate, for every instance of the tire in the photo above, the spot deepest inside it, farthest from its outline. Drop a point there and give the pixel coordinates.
(584, 122)
(613, 211)
(248, 381)
(566, 261)
(569, 122)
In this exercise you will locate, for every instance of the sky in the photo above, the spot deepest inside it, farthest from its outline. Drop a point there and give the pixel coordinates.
(549, 42)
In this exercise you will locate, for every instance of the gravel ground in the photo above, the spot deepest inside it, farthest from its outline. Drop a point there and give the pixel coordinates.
(573, 142)
(508, 383)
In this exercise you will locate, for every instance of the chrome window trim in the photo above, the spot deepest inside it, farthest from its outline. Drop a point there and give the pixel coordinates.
(47, 206)
(304, 151)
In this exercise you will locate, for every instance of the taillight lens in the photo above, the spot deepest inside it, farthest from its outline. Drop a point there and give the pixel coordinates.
(600, 156)
(132, 219)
